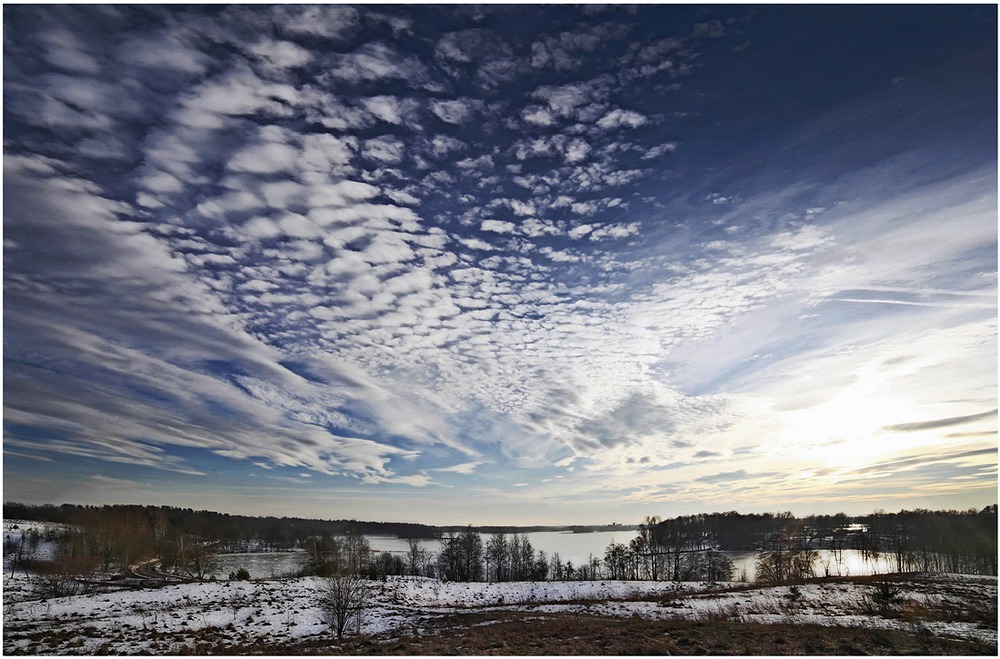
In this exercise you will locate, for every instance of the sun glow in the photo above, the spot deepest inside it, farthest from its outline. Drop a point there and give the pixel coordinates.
(849, 430)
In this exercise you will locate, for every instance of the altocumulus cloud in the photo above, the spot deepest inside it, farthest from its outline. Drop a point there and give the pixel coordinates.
(419, 249)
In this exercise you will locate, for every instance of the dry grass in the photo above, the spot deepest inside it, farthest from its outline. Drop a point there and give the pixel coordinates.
(521, 633)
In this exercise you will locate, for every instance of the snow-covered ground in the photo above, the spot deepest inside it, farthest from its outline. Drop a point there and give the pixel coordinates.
(178, 617)
(34, 539)
(166, 620)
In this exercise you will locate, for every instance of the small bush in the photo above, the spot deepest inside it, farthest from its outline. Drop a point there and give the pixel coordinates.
(241, 574)
(884, 599)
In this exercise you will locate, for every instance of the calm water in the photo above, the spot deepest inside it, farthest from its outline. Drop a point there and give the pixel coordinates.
(571, 547)
(575, 547)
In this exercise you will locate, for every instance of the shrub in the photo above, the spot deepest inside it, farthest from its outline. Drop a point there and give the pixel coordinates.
(883, 599)
(241, 574)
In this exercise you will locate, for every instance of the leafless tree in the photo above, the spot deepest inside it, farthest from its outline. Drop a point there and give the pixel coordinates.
(347, 592)
(784, 557)
(498, 558)
(344, 599)
(416, 557)
(72, 567)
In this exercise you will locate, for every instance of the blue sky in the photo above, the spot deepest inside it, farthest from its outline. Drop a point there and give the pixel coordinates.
(501, 264)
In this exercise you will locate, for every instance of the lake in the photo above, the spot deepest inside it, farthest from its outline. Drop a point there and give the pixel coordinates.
(571, 547)
(575, 547)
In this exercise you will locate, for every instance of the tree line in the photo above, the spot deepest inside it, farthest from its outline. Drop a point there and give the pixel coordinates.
(236, 533)
(683, 548)
(230, 532)
(470, 555)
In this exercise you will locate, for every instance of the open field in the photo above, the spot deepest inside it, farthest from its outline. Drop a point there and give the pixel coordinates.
(939, 614)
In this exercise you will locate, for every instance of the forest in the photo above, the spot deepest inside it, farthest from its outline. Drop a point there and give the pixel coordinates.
(265, 533)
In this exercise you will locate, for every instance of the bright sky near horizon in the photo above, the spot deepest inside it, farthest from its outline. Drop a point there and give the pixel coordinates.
(501, 264)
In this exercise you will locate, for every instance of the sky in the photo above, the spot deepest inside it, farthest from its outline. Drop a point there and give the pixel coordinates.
(513, 264)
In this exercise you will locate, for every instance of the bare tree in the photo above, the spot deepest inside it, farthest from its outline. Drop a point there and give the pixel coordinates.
(522, 557)
(498, 558)
(347, 592)
(784, 557)
(557, 570)
(648, 548)
(461, 556)
(416, 557)
(616, 560)
(345, 598)
(70, 570)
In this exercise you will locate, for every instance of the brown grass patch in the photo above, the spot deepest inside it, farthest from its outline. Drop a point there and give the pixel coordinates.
(523, 633)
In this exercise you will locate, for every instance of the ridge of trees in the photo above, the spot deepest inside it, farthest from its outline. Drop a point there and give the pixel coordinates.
(267, 533)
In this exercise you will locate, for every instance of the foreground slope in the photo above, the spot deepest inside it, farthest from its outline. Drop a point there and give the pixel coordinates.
(941, 614)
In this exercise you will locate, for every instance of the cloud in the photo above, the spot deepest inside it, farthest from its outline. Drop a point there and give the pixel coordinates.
(807, 237)
(618, 118)
(441, 145)
(583, 101)
(380, 215)
(464, 468)
(386, 149)
(457, 111)
(635, 417)
(392, 109)
(934, 424)
(265, 158)
(377, 61)
(67, 51)
(497, 226)
(923, 460)
(235, 92)
(261, 228)
(560, 256)
(566, 50)
(329, 21)
(537, 115)
(729, 477)
(614, 231)
(476, 243)
(483, 53)
(482, 164)
(576, 151)
(352, 242)
(232, 411)
(328, 153)
(297, 226)
(342, 193)
(281, 54)
(162, 52)
(659, 150)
